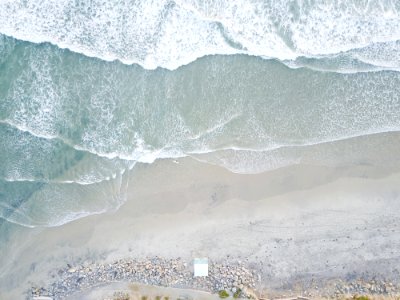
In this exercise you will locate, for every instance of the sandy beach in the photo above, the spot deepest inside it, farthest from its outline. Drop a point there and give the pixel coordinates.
(296, 228)
(140, 137)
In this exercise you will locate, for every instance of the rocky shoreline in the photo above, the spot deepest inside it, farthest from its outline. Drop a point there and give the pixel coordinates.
(235, 279)
(226, 279)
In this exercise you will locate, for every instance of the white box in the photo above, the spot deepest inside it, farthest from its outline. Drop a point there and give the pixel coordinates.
(200, 267)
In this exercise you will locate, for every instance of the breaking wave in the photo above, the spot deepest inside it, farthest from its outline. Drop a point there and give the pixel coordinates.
(342, 36)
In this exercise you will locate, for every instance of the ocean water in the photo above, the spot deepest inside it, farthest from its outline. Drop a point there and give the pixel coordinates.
(88, 89)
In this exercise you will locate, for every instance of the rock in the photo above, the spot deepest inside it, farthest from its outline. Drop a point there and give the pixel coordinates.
(80, 279)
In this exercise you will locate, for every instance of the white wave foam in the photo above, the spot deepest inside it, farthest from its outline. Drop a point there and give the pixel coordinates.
(23, 219)
(85, 180)
(144, 155)
(354, 150)
(168, 34)
(56, 204)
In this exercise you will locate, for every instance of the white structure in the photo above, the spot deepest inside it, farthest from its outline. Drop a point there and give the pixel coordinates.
(200, 267)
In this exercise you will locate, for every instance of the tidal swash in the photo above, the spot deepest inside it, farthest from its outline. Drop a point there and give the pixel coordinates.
(90, 88)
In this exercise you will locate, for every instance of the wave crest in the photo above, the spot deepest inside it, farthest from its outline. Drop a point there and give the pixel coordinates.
(169, 34)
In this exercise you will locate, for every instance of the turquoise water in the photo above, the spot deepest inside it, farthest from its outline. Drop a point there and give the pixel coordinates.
(88, 89)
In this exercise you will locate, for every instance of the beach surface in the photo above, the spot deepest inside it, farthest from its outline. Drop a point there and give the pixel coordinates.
(294, 227)
(137, 135)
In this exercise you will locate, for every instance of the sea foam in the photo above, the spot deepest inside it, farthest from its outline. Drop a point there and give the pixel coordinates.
(169, 34)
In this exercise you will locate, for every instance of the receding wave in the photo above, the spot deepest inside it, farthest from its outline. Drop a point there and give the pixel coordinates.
(340, 36)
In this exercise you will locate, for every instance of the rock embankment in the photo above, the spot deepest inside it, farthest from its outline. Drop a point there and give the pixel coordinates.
(236, 279)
